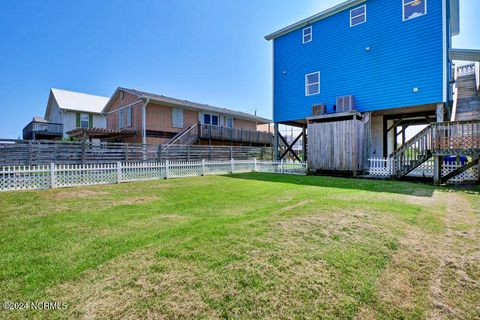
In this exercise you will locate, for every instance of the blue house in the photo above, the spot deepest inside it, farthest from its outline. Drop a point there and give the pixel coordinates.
(369, 68)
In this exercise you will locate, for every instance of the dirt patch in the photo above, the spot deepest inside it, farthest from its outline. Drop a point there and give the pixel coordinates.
(296, 205)
(77, 193)
(423, 198)
(455, 286)
(135, 200)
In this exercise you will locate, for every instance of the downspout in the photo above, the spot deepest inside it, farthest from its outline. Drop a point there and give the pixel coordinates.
(144, 121)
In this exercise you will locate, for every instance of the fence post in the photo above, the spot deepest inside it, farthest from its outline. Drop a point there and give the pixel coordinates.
(231, 165)
(52, 175)
(119, 172)
(254, 164)
(166, 169)
(281, 166)
(203, 167)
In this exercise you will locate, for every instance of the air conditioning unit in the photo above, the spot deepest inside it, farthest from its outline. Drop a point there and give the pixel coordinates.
(319, 109)
(345, 104)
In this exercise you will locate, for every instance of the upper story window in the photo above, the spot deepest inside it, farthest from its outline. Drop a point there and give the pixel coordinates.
(84, 120)
(307, 34)
(129, 116)
(358, 15)
(414, 8)
(312, 83)
(120, 119)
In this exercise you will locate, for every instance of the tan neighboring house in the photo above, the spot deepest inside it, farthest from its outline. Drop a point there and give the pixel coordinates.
(158, 119)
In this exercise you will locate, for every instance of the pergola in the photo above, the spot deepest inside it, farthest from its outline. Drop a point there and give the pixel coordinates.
(100, 133)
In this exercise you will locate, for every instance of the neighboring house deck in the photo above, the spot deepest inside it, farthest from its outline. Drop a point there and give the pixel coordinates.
(159, 119)
(356, 77)
(40, 129)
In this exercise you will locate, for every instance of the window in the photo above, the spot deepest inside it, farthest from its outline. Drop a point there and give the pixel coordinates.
(206, 118)
(307, 34)
(120, 119)
(229, 122)
(84, 120)
(129, 116)
(210, 119)
(358, 16)
(214, 120)
(312, 83)
(177, 117)
(414, 9)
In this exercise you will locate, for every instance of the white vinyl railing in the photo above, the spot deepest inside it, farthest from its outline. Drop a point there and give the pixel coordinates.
(382, 167)
(70, 175)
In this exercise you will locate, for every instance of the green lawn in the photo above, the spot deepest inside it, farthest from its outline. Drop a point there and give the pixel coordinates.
(245, 246)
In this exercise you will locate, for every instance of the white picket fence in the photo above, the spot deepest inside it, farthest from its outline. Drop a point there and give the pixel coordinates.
(70, 175)
(382, 167)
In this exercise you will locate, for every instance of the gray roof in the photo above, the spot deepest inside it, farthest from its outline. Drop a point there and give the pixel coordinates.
(77, 101)
(465, 54)
(192, 105)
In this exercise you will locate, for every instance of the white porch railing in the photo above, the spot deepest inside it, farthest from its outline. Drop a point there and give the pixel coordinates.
(382, 167)
(63, 175)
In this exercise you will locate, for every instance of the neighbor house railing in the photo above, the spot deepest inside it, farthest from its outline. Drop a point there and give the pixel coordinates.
(70, 175)
(220, 133)
(43, 128)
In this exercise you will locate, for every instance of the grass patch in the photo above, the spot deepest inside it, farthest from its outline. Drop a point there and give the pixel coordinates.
(240, 246)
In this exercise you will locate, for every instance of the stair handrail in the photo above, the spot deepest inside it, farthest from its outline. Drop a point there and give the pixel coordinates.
(396, 155)
(180, 135)
(455, 95)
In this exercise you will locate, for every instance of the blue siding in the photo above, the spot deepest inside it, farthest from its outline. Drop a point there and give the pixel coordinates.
(403, 55)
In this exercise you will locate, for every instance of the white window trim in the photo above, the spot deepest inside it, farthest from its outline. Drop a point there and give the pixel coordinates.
(211, 118)
(310, 84)
(359, 15)
(406, 3)
(303, 34)
(83, 120)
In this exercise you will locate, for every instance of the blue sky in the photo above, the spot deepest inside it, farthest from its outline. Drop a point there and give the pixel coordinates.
(209, 51)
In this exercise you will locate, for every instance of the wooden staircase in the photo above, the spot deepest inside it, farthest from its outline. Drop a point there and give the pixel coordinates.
(453, 138)
(188, 136)
(466, 96)
(413, 153)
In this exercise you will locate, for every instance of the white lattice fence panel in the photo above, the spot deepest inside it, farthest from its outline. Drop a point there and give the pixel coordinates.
(295, 168)
(69, 175)
(25, 178)
(241, 166)
(423, 170)
(469, 175)
(218, 167)
(185, 169)
(269, 167)
(380, 167)
(48, 176)
(142, 171)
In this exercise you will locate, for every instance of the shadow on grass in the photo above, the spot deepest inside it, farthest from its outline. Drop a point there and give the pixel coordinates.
(405, 188)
